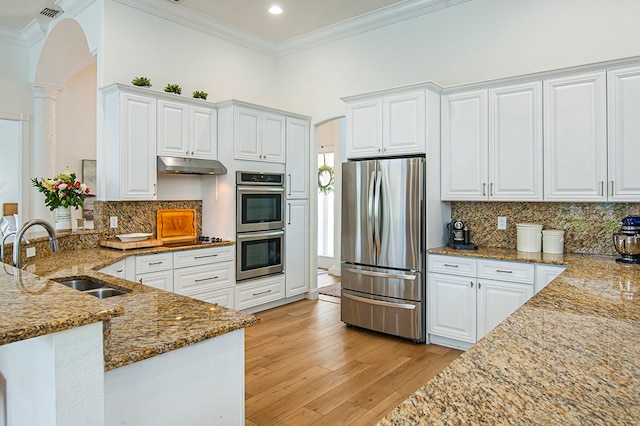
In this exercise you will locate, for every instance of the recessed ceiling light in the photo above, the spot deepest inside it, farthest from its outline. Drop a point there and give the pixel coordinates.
(275, 10)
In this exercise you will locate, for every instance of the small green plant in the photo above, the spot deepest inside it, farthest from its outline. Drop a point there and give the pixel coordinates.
(173, 88)
(141, 81)
(200, 94)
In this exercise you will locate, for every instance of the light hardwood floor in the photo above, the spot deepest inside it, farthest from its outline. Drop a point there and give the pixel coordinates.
(304, 366)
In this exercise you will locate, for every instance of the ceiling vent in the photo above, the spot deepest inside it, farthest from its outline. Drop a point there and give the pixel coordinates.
(49, 13)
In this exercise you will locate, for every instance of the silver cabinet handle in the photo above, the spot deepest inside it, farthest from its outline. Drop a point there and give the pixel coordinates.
(611, 192)
(380, 302)
(289, 205)
(119, 270)
(206, 279)
(381, 274)
(471, 284)
(262, 292)
(451, 266)
(154, 190)
(205, 256)
(491, 189)
(484, 189)
(504, 271)
(187, 152)
(602, 187)
(140, 281)
(155, 263)
(289, 183)
(479, 285)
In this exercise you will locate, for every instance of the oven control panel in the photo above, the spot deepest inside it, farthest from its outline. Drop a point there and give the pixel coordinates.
(259, 178)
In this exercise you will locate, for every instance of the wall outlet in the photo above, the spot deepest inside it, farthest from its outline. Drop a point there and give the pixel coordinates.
(113, 221)
(502, 222)
(31, 251)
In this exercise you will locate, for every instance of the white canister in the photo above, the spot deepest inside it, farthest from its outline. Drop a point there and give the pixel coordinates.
(553, 241)
(529, 237)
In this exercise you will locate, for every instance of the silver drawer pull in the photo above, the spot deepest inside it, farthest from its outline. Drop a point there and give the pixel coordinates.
(504, 272)
(380, 302)
(206, 279)
(155, 263)
(119, 271)
(262, 292)
(381, 274)
(205, 256)
(450, 265)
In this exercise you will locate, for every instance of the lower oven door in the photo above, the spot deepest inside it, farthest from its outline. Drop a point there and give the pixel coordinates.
(259, 254)
(399, 317)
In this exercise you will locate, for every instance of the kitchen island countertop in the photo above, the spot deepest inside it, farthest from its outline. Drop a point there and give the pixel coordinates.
(141, 324)
(568, 356)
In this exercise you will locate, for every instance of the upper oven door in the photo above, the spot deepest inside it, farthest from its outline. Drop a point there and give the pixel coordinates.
(260, 208)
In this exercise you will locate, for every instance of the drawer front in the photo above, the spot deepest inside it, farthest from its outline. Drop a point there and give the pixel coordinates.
(196, 279)
(154, 263)
(506, 271)
(202, 256)
(223, 297)
(453, 265)
(254, 293)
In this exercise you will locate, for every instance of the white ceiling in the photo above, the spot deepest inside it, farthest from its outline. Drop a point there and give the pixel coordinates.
(303, 23)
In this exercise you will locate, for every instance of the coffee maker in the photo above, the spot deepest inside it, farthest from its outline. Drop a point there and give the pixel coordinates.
(459, 236)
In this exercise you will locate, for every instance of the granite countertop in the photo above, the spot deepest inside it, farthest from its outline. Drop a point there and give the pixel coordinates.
(141, 324)
(570, 355)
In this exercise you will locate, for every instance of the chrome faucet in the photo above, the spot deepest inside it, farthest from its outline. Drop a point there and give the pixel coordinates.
(7, 235)
(53, 241)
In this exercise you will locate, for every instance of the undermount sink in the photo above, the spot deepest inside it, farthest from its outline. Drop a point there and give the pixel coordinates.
(94, 288)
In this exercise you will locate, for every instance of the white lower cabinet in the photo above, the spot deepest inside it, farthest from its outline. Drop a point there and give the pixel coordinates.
(473, 296)
(257, 292)
(545, 274)
(155, 270)
(162, 280)
(118, 269)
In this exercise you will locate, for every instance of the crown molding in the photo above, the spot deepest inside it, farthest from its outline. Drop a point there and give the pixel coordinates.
(380, 18)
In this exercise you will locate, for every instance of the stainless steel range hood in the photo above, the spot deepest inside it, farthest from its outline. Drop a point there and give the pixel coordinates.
(192, 166)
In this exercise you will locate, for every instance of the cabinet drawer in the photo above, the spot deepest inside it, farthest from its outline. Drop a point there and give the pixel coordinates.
(260, 291)
(196, 279)
(452, 265)
(117, 269)
(202, 256)
(154, 262)
(223, 297)
(506, 271)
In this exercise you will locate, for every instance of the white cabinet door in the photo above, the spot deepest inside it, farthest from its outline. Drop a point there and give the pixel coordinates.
(137, 127)
(248, 132)
(194, 280)
(161, 279)
(515, 143)
(624, 134)
(117, 269)
(464, 146)
(497, 300)
(297, 166)
(404, 123)
(173, 129)
(203, 137)
(545, 274)
(575, 138)
(273, 138)
(364, 128)
(452, 306)
(297, 247)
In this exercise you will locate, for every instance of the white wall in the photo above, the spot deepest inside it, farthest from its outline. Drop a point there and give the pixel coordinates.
(15, 93)
(10, 139)
(473, 41)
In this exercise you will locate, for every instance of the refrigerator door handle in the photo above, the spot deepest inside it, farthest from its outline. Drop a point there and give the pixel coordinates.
(381, 274)
(370, 215)
(376, 228)
(380, 302)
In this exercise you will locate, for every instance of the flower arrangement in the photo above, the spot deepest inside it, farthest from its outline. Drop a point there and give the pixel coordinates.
(63, 190)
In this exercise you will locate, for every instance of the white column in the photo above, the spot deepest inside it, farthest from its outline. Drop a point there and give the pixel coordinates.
(44, 144)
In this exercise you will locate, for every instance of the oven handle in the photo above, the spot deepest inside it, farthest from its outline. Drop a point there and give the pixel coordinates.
(250, 236)
(261, 189)
(380, 302)
(381, 274)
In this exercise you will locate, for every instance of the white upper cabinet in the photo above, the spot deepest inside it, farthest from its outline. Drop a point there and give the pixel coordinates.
(575, 138)
(259, 135)
(464, 146)
(129, 144)
(515, 143)
(186, 130)
(297, 167)
(387, 123)
(623, 93)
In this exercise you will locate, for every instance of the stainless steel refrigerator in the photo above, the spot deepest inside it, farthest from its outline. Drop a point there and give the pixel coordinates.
(383, 246)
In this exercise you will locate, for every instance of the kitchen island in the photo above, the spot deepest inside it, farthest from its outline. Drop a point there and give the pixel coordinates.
(163, 353)
(568, 356)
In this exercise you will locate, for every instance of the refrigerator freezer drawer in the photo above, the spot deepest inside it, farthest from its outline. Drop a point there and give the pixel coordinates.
(392, 316)
(382, 282)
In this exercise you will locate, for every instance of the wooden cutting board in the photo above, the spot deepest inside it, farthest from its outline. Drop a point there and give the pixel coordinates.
(176, 225)
(127, 245)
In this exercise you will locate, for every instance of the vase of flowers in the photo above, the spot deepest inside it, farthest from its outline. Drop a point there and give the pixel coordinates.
(62, 192)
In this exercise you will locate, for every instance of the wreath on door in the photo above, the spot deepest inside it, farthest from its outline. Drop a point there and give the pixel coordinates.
(325, 179)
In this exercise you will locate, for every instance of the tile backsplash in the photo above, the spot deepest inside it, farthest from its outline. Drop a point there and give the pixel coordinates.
(588, 226)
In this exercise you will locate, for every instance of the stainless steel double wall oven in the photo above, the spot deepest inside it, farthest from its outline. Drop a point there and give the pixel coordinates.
(260, 202)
